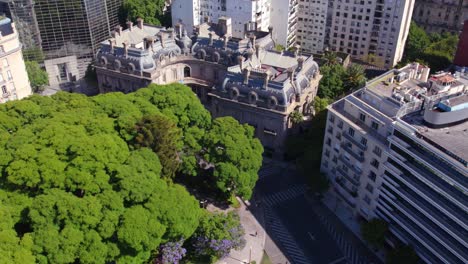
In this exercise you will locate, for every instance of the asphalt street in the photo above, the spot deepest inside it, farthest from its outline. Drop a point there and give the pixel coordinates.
(300, 226)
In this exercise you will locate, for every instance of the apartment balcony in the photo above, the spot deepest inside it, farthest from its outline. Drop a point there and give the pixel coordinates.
(434, 231)
(353, 180)
(420, 235)
(345, 193)
(430, 228)
(339, 107)
(430, 178)
(349, 165)
(443, 221)
(431, 196)
(348, 148)
(355, 142)
(426, 254)
(433, 163)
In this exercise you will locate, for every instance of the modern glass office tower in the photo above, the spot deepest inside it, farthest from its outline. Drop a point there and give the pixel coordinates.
(62, 28)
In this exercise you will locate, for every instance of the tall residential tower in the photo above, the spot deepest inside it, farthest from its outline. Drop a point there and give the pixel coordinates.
(397, 150)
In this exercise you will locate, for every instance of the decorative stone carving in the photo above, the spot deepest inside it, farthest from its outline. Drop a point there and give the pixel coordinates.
(253, 98)
(234, 93)
(272, 102)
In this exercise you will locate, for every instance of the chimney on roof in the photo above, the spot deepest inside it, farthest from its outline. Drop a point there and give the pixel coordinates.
(267, 79)
(300, 62)
(112, 45)
(297, 51)
(246, 75)
(250, 53)
(211, 39)
(291, 74)
(225, 26)
(149, 42)
(257, 50)
(178, 29)
(140, 23)
(125, 46)
(118, 30)
(161, 38)
(240, 60)
(130, 25)
(252, 39)
(226, 39)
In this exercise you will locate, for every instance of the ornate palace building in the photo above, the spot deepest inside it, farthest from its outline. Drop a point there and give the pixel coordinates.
(243, 78)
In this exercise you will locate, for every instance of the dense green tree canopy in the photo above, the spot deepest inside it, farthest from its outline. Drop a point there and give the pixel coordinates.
(78, 187)
(151, 11)
(374, 232)
(37, 76)
(235, 154)
(435, 50)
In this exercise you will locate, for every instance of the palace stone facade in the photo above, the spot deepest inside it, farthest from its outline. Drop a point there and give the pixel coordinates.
(244, 78)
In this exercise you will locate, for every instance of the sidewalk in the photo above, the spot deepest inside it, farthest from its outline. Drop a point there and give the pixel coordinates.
(346, 216)
(254, 236)
(340, 221)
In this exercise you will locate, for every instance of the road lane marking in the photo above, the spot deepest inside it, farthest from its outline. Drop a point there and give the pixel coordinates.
(338, 260)
(311, 236)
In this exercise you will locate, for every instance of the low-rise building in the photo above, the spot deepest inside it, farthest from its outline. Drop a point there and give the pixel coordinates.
(244, 78)
(397, 150)
(14, 80)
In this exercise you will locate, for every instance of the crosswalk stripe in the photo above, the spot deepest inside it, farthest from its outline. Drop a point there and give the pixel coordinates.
(284, 238)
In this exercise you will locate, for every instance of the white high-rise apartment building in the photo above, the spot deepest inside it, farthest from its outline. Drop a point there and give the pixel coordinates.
(284, 16)
(312, 22)
(374, 31)
(398, 150)
(371, 30)
(244, 14)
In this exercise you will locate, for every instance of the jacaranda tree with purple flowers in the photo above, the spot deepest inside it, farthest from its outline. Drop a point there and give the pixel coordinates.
(216, 236)
(171, 253)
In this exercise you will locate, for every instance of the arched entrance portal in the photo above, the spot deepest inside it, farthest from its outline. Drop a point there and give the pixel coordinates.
(186, 71)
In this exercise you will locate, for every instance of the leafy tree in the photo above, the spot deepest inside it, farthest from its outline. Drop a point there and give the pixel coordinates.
(216, 235)
(296, 117)
(330, 58)
(74, 190)
(37, 76)
(151, 11)
(171, 253)
(235, 154)
(320, 104)
(279, 47)
(354, 77)
(331, 84)
(161, 135)
(80, 183)
(319, 183)
(416, 43)
(374, 232)
(402, 255)
(436, 50)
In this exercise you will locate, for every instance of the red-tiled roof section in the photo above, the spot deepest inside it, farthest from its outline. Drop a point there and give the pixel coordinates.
(446, 78)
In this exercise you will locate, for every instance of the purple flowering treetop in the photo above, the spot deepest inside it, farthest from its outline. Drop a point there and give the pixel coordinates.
(217, 235)
(171, 253)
